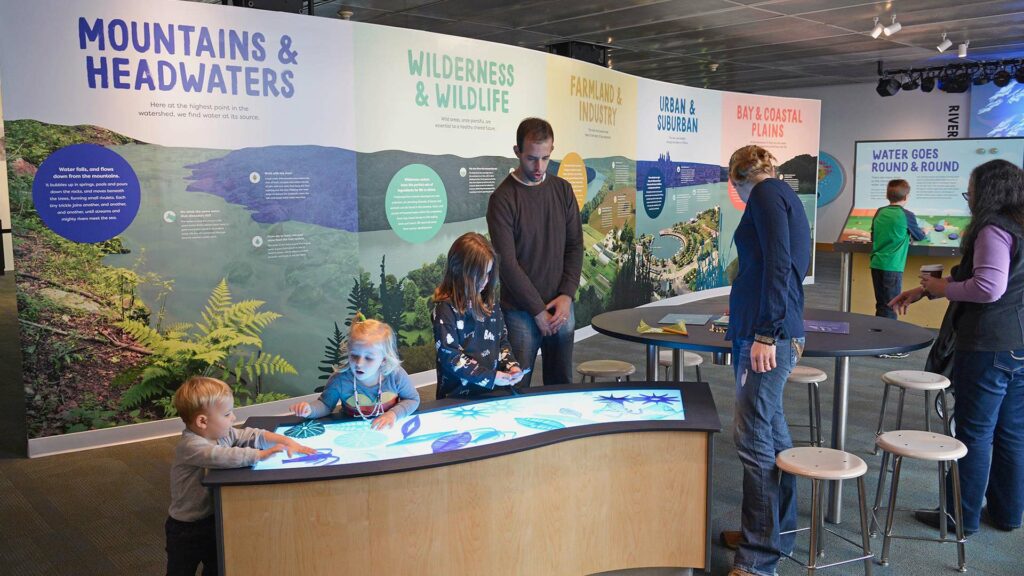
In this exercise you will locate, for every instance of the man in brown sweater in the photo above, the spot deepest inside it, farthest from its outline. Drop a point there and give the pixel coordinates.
(534, 223)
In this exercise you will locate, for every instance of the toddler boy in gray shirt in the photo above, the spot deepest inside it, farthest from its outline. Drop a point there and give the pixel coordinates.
(209, 441)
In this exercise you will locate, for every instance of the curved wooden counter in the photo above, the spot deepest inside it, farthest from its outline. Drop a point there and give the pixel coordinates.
(572, 501)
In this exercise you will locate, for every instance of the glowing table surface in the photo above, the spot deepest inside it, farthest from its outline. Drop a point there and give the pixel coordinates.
(502, 485)
(453, 430)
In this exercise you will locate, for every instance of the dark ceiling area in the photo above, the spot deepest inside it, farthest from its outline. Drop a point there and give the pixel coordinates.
(737, 45)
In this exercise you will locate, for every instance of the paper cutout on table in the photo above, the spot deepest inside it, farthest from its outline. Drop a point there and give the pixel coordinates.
(827, 326)
(691, 319)
(679, 328)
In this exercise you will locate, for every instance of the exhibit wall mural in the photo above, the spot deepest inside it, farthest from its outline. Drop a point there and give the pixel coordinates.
(207, 189)
(997, 112)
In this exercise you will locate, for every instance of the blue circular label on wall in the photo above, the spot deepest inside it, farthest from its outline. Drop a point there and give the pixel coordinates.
(86, 193)
(653, 186)
(831, 178)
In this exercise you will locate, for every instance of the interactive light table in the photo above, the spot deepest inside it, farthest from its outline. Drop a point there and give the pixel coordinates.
(556, 480)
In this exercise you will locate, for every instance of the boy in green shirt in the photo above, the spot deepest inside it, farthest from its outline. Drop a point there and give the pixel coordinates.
(892, 229)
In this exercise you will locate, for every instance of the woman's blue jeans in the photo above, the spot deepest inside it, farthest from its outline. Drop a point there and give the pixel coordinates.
(760, 433)
(989, 417)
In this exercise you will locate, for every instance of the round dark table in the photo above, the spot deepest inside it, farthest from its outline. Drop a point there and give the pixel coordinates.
(869, 336)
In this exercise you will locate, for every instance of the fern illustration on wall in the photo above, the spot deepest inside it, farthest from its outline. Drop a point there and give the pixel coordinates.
(225, 344)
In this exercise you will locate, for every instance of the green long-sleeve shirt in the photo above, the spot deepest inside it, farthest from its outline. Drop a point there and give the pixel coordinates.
(892, 228)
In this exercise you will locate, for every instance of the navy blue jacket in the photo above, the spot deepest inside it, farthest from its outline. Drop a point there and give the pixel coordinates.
(773, 241)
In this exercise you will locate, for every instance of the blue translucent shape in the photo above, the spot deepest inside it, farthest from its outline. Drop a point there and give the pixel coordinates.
(570, 412)
(411, 425)
(422, 438)
(451, 442)
(540, 423)
(656, 399)
(322, 457)
(484, 434)
(613, 399)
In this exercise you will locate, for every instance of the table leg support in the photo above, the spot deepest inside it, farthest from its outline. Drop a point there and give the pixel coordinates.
(652, 363)
(840, 401)
(677, 365)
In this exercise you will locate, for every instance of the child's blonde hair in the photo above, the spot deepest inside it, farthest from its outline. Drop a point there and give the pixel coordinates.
(197, 395)
(377, 333)
(749, 161)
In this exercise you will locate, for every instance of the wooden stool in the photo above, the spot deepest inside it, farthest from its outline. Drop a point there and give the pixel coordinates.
(921, 445)
(606, 369)
(688, 358)
(912, 380)
(821, 465)
(812, 377)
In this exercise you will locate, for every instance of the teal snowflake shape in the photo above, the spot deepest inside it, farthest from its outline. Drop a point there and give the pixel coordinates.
(502, 406)
(307, 429)
(467, 412)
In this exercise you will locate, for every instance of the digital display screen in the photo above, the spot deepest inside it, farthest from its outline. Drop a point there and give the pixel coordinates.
(938, 172)
(468, 425)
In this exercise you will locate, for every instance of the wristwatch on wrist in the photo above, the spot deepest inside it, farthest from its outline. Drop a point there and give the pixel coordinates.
(768, 340)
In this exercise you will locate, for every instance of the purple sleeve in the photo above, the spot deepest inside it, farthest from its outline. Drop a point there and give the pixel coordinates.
(992, 251)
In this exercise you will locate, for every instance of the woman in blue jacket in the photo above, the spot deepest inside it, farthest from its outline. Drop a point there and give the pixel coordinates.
(773, 241)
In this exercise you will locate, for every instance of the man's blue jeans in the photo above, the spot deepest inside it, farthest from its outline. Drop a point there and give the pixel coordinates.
(525, 339)
(989, 417)
(760, 433)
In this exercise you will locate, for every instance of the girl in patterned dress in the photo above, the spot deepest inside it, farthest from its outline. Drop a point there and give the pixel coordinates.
(373, 386)
(473, 353)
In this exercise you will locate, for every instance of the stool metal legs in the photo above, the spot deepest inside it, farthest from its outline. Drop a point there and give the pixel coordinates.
(593, 379)
(816, 549)
(943, 535)
(881, 413)
(864, 535)
(898, 462)
(958, 516)
(814, 408)
(899, 412)
(941, 400)
(674, 373)
(812, 549)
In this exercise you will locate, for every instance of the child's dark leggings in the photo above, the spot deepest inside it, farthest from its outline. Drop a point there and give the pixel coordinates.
(190, 544)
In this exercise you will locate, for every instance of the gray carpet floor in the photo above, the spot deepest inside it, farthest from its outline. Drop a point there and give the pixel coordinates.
(101, 511)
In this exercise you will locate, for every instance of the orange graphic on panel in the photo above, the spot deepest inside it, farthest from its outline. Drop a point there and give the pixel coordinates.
(574, 171)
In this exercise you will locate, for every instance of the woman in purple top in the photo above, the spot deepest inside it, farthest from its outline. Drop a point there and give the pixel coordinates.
(988, 360)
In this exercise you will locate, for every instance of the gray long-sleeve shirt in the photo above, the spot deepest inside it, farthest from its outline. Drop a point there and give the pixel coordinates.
(190, 500)
(538, 235)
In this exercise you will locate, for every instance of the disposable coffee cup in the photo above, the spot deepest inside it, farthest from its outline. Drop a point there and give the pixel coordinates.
(932, 269)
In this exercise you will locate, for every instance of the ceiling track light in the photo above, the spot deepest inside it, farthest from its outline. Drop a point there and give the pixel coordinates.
(888, 86)
(892, 28)
(961, 50)
(877, 30)
(945, 44)
(955, 77)
(911, 82)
